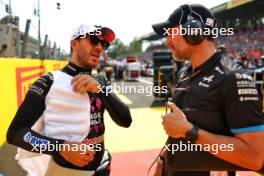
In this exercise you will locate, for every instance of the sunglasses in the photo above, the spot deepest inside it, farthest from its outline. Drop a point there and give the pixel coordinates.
(95, 41)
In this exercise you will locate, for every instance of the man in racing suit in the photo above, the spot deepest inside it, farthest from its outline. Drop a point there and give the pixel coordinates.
(69, 105)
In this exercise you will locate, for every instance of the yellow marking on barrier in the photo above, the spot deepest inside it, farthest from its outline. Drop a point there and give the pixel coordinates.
(124, 99)
(146, 131)
(30, 73)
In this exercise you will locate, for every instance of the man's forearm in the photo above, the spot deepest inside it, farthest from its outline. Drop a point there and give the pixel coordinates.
(20, 133)
(243, 154)
(31, 141)
(118, 111)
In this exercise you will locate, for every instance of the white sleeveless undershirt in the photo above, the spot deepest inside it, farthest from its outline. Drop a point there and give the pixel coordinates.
(67, 114)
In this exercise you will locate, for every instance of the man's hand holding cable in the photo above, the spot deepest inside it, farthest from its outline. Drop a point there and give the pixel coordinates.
(175, 123)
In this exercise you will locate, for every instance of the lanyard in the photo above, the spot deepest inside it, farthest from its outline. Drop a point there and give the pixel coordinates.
(187, 78)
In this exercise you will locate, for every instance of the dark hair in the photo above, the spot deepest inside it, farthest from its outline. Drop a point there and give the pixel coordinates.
(78, 39)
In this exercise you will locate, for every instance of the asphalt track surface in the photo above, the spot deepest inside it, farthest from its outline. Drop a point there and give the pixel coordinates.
(132, 149)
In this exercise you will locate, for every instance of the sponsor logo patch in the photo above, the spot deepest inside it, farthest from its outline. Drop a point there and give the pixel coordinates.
(243, 76)
(203, 84)
(94, 140)
(247, 92)
(248, 98)
(246, 84)
(36, 89)
(219, 70)
(33, 140)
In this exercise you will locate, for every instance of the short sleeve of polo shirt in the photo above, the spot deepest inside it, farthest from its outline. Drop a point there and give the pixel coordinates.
(242, 104)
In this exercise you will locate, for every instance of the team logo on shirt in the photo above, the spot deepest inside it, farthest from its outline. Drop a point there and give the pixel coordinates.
(208, 79)
(96, 104)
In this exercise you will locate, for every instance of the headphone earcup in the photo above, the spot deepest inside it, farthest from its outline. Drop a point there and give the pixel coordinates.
(192, 25)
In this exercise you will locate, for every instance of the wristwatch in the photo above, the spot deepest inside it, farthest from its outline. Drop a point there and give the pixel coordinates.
(192, 134)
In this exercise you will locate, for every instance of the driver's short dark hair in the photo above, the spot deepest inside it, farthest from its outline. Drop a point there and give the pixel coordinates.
(78, 38)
